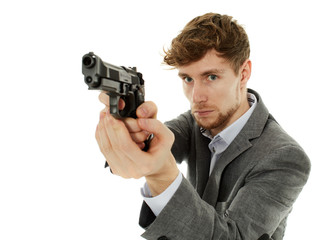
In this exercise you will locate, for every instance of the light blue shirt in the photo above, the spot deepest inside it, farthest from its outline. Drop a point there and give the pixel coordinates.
(217, 146)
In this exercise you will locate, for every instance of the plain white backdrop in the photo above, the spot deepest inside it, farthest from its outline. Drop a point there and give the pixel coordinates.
(52, 181)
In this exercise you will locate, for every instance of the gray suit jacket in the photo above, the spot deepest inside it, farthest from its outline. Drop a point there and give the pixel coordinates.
(250, 191)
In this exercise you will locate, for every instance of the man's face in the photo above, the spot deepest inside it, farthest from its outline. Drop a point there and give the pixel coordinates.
(214, 91)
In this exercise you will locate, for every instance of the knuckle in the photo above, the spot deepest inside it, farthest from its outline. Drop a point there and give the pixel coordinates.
(134, 137)
(138, 137)
(152, 106)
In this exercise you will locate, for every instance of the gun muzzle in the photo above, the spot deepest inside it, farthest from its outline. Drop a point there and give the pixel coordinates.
(89, 60)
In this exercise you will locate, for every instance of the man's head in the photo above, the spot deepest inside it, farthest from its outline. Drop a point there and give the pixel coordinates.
(206, 32)
(212, 56)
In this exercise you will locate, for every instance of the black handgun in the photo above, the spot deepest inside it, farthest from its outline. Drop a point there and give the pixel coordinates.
(119, 82)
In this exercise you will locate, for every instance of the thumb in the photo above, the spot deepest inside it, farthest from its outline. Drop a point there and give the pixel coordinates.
(147, 110)
(160, 131)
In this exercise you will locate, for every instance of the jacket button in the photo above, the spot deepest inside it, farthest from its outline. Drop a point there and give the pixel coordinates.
(163, 238)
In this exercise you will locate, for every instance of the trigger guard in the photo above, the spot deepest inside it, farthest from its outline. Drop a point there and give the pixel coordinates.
(114, 105)
(129, 109)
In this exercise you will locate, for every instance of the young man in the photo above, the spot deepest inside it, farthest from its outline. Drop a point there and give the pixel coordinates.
(244, 171)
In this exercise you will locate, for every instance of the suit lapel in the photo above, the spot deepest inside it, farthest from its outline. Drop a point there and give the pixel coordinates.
(241, 143)
(202, 161)
(237, 147)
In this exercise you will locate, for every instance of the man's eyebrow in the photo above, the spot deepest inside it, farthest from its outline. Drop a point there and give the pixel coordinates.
(182, 75)
(212, 71)
(205, 73)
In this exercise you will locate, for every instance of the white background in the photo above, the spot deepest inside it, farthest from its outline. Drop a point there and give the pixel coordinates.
(52, 181)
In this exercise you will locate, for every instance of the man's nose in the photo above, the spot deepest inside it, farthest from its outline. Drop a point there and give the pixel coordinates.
(199, 92)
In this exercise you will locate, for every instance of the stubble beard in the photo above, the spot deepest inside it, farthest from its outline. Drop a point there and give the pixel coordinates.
(220, 122)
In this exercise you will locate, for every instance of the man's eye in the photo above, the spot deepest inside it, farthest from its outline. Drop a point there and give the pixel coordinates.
(212, 77)
(187, 79)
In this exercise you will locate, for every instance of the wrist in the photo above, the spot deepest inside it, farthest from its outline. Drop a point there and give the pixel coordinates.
(161, 180)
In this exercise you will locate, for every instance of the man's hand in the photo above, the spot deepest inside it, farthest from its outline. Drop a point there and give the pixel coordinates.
(146, 110)
(120, 142)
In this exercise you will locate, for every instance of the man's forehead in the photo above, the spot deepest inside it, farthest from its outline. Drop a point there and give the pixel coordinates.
(212, 59)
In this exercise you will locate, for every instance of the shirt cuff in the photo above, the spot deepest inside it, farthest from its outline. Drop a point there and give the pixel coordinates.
(159, 202)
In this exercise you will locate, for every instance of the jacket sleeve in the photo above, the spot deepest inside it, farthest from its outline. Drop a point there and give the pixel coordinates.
(265, 199)
(182, 130)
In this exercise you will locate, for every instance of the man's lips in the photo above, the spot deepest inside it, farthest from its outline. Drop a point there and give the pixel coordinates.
(202, 112)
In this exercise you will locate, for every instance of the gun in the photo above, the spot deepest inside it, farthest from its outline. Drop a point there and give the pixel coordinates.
(119, 82)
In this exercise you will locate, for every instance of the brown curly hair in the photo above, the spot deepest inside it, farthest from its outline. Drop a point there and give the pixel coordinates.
(209, 31)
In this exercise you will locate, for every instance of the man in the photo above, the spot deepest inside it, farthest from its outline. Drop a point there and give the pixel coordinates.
(244, 171)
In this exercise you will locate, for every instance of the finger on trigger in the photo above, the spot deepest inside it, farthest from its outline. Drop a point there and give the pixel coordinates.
(122, 104)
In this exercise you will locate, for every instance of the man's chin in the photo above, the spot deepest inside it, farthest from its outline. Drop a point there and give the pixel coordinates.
(212, 124)
(205, 123)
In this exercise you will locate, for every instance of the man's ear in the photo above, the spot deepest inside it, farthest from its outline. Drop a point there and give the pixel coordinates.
(245, 73)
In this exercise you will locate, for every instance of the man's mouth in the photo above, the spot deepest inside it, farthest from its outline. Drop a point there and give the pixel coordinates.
(202, 112)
